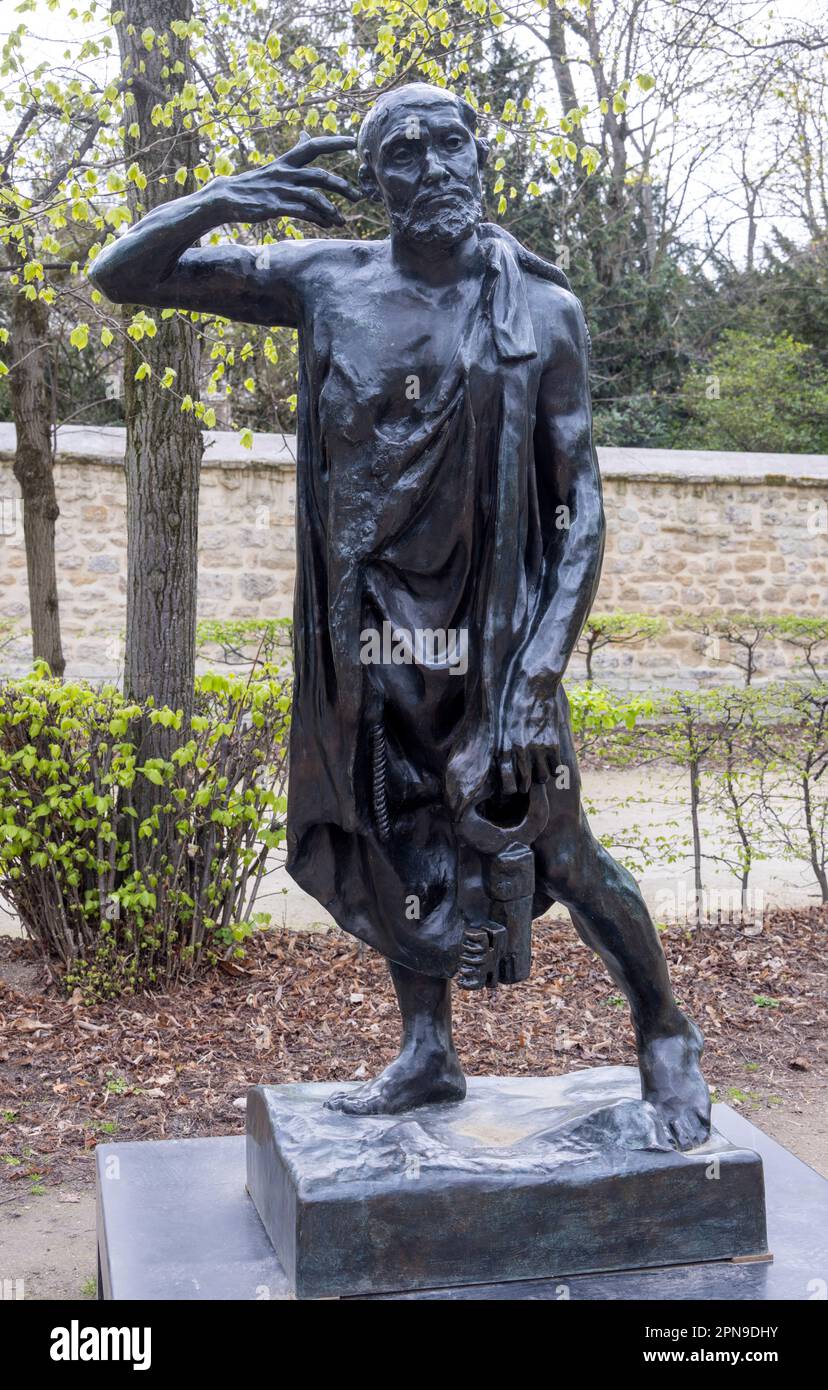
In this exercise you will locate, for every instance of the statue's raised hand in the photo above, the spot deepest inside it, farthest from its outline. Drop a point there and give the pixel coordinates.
(287, 187)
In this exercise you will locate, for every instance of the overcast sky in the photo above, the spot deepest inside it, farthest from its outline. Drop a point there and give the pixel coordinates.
(709, 197)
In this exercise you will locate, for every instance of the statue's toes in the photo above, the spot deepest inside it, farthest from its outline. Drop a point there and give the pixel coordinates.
(360, 1102)
(689, 1130)
(340, 1100)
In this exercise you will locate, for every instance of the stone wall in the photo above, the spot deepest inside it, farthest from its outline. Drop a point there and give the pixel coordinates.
(687, 532)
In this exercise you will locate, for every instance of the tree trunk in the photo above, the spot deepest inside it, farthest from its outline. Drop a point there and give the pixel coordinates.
(815, 843)
(164, 444)
(648, 217)
(31, 400)
(614, 124)
(561, 66)
(163, 461)
(698, 886)
(738, 821)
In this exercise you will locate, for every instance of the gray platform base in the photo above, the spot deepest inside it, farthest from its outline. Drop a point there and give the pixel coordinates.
(527, 1178)
(175, 1223)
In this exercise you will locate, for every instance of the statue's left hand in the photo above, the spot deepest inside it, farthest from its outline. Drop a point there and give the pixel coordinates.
(528, 750)
(530, 742)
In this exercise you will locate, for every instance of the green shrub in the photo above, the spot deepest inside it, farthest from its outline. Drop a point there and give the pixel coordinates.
(118, 903)
(768, 395)
(597, 713)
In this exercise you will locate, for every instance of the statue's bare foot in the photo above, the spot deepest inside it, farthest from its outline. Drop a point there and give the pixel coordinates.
(672, 1082)
(414, 1078)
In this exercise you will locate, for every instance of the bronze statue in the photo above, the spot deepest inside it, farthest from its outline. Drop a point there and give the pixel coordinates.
(450, 534)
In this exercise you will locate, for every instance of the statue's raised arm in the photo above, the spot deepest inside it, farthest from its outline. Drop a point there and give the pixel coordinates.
(156, 262)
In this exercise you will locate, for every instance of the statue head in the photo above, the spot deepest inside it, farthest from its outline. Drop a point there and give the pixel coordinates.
(422, 158)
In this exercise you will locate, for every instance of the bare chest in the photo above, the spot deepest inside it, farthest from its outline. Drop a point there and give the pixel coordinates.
(388, 353)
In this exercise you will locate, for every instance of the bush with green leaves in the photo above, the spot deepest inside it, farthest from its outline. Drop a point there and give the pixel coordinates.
(597, 713)
(117, 902)
(758, 394)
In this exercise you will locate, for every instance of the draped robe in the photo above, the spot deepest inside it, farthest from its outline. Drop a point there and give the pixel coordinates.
(424, 518)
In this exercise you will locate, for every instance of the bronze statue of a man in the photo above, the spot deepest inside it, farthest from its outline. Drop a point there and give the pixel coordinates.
(449, 533)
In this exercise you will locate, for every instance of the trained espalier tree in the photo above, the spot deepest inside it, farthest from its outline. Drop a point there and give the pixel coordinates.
(807, 634)
(733, 638)
(245, 643)
(733, 789)
(615, 630)
(685, 732)
(793, 783)
(738, 639)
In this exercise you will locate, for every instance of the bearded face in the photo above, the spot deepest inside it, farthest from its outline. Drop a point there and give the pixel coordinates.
(442, 218)
(426, 164)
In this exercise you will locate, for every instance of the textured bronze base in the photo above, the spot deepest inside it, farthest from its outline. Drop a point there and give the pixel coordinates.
(525, 1179)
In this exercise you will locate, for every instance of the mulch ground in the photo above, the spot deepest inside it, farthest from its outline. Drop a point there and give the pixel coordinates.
(319, 1007)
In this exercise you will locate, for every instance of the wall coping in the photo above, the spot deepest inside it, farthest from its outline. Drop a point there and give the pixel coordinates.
(105, 445)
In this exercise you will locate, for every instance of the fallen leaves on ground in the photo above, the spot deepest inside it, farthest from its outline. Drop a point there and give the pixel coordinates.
(320, 1007)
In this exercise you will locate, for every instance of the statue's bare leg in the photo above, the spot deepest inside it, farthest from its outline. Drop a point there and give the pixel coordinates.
(610, 915)
(427, 1070)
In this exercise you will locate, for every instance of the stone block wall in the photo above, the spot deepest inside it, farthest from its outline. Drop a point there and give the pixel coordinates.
(687, 533)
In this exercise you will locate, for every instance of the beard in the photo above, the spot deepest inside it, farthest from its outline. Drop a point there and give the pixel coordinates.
(442, 218)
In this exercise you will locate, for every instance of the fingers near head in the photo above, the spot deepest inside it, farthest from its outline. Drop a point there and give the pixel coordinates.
(316, 207)
(314, 147)
(301, 210)
(322, 178)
